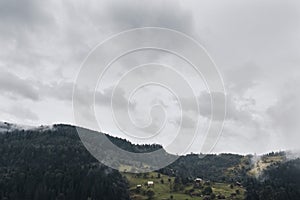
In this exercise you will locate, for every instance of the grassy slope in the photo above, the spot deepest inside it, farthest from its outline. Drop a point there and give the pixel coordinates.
(163, 191)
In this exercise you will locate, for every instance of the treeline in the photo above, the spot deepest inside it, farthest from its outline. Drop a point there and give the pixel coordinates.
(54, 165)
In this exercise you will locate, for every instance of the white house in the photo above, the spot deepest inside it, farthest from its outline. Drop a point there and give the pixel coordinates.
(150, 183)
(198, 180)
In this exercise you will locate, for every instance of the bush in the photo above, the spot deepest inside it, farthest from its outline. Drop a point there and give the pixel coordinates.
(207, 191)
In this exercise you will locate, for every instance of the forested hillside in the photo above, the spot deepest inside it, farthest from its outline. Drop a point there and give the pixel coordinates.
(211, 167)
(278, 182)
(52, 164)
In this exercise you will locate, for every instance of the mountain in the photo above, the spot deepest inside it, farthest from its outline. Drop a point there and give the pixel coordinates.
(50, 162)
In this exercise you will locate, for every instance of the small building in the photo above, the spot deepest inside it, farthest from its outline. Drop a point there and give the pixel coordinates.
(150, 183)
(138, 186)
(198, 180)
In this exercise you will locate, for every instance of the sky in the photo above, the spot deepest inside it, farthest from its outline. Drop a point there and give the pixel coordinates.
(255, 45)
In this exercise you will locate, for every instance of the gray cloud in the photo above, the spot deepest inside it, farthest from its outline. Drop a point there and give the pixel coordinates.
(255, 44)
(188, 122)
(237, 108)
(21, 113)
(25, 13)
(23, 26)
(284, 114)
(242, 78)
(58, 90)
(15, 86)
(133, 13)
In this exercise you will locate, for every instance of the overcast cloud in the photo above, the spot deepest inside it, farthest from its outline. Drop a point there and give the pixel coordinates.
(254, 43)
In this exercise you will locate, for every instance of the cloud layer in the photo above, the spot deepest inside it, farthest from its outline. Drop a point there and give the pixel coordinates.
(255, 45)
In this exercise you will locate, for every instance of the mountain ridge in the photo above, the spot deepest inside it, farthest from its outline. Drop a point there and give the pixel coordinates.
(52, 163)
